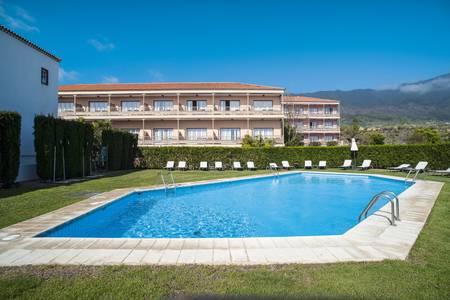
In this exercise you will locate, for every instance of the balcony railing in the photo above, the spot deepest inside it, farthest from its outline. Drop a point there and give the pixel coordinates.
(182, 141)
(311, 115)
(315, 129)
(148, 112)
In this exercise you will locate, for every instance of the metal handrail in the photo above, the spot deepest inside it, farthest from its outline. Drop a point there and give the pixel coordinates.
(413, 179)
(393, 200)
(166, 186)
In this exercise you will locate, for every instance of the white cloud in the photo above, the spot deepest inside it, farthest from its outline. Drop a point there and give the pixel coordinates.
(156, 75)
(101, 44)
(424, 87)
(110, 79)
(64, 75)
(20, 20)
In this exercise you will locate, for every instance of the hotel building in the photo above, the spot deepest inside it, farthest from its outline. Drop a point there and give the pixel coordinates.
(318, 120)
(188, 114)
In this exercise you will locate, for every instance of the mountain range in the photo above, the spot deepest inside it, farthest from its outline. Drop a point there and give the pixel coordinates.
(416, 102)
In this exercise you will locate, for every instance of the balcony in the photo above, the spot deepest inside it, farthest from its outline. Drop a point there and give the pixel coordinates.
(116, 112)
(199, 142)
(318, 129)
(310, 115)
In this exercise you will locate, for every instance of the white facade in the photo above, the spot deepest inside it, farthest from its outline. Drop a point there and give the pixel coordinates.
(22, 91)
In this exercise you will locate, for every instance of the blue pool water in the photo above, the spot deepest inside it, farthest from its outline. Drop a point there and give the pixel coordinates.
(287, 205)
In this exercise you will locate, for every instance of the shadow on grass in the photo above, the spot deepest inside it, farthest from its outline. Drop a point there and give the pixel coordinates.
(30, 186)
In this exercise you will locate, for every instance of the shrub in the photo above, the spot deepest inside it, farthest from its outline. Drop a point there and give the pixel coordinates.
(382, 156)
(256, 142)
(121, 147)
(9, 147)
(63, 148)
(315, 144)
(332, 143)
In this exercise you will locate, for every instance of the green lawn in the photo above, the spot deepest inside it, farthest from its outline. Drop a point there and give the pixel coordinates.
(424, 275)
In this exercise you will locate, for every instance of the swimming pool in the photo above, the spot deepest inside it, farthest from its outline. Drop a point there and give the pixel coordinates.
(294, 204)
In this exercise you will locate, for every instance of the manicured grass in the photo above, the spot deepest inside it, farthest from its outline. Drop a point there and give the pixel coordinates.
(424, 275)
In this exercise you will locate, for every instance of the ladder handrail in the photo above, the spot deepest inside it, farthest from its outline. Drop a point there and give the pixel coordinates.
(395, 206)
(166, 185)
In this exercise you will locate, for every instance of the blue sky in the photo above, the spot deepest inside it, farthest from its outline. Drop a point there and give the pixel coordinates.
(301, 45)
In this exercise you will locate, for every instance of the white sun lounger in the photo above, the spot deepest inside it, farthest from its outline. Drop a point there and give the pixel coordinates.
(322, 164)
(182, 165)
(442, 172)
(273, 166)
(308, 164)
(218, 165)
(285, 164)
(365, 165)
(170, 165)
(347, 164)
(251, 165)
(400, 167)
(237, 166)
(204, 165)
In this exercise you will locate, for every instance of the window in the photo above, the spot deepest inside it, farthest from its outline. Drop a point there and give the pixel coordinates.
(313, 124)
(314, 138)
(194, 134)
(65, 106)
(262, 105)
(229, 105)
(314, 110)
(328, 124)
(230, 134)
(98, 106)
(194, 105)
(44, 76)
(299, 124)
(329, 110)
(134, 131)
(163, 134)
(298, 109)
(329, 138)
(163, 105)
(131, 105)
(265, 133)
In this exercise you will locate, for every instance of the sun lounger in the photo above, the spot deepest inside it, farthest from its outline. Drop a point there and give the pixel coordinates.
(218, 165)
(251, 166)
(237, 166)
(442, 172)
(347, 164)
(401, 167)
(308, 164)
(365, 165)
(170, 165)
(204, 165)
(322, 164)
(285, 164)
(182, 165)
(273, 166)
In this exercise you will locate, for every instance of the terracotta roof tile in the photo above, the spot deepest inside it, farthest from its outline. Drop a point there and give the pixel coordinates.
(300, 99)
(164, 86)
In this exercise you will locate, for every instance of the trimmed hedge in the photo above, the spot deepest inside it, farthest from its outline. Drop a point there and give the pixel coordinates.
(382, 156)
(122, 149)
(9, 147)
(53, 136)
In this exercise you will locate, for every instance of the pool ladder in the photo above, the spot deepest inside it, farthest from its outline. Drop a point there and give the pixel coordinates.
(393, 200)
(167, 185)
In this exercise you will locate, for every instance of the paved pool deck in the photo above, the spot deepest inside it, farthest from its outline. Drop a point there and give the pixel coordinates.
(373, 239)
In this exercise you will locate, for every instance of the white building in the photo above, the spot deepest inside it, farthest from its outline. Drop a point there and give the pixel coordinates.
(29, 86)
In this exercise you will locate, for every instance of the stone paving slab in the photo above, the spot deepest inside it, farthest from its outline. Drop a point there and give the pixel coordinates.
(373, 239)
